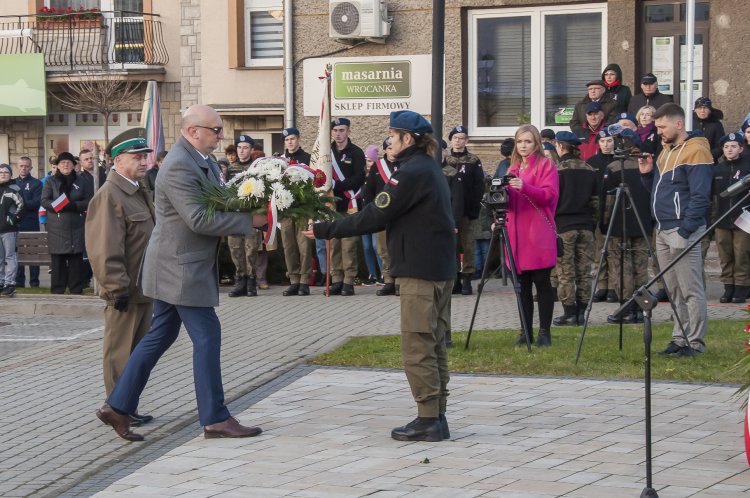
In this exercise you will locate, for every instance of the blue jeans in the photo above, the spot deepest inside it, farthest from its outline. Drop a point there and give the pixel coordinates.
(33, 276)
(481, 246)
(204, 329)
(372, 258)
(320, 250)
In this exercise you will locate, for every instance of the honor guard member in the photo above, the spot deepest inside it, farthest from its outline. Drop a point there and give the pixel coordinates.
(348, 164)
(119, 223)
(733, 243)
(297, 247)
(470, 175)
(415, 210)
(244, 250)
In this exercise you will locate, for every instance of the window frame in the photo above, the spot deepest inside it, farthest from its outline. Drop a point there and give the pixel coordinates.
(538, 17)
(250, 6)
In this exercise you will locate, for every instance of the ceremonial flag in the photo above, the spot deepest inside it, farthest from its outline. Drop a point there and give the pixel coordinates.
(320, 157)
(59, 203)
(151, 121)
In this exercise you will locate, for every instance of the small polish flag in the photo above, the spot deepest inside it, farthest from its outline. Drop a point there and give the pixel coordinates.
(59, 203)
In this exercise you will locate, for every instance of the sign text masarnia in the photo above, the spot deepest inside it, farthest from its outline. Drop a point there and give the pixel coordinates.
(372, 80)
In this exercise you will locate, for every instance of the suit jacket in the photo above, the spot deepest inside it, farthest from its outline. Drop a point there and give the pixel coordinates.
(119, 223)
(181, 266)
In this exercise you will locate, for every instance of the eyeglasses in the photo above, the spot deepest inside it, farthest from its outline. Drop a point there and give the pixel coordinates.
(610, 73)
(215, 129)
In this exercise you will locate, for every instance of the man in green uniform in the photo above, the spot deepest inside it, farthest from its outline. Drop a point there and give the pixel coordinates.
(415, 210)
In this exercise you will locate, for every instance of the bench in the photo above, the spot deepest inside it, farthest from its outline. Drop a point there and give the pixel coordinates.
(33, 249)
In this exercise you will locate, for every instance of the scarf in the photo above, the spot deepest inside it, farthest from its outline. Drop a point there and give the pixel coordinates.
(645, 131)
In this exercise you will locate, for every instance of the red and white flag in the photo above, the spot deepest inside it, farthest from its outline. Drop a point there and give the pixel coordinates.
(320, 156)
(59, 203)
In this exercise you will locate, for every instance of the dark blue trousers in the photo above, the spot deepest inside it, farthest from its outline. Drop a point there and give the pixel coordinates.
(33, 276)
(204, 330)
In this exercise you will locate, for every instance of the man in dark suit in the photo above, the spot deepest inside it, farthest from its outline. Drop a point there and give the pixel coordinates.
(181, 275)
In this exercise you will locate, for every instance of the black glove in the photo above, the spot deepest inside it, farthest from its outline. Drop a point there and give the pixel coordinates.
(121, 303)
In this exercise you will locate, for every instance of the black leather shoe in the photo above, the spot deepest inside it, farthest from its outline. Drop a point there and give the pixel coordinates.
(335, 289)
(728, 294)
(419, 429)
(521, 341)
(304, 290)
(347, 290)
(672, 348)
(544, 339)
(612, 296)
(388, 289)
(292, 290)
(601, 295)
(687, 351)
(444, 430)
(141, 419)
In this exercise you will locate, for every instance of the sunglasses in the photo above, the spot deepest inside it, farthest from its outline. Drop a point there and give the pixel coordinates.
(215, 129)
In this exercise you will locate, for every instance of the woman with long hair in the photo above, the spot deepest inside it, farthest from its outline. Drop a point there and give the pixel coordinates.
(532, 200)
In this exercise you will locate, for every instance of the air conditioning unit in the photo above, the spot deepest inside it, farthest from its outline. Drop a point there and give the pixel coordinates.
(358, 19)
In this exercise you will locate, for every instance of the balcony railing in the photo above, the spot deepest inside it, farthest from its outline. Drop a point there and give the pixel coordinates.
(73, 42)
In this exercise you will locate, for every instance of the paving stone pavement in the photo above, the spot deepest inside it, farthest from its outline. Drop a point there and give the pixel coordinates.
(52, 441)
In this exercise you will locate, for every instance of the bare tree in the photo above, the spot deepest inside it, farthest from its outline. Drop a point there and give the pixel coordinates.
(101, 94)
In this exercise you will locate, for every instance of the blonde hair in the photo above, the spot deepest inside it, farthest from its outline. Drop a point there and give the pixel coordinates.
(640, 111)
(516, 158)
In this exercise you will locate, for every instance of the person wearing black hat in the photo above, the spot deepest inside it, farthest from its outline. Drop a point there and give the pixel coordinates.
(414, 209)
(348, 164)
(11, 213)
(733, 243)
(649, 95)
(297, 247)
(244, 250)
(708, 119)
(506, 149)
(469, 174)
(575, 218)
(596, 91)
(66, 200)
(119, 223)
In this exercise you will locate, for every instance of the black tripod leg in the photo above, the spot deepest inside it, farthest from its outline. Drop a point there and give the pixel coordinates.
(602, 261)
(525, 327)
(480, 288)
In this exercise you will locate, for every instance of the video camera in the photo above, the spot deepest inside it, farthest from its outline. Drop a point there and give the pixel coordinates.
(625, 140)
(496, 197)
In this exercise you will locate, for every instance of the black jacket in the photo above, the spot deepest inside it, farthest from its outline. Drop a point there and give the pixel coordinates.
(578, 203)
(299, 156)
(712, 129)
(656, 100)
(414, 209)
(351, 161)
(640, 198)
(618, 92)
(66, 228)
(456, 187)
(374, 184)
(725, 174)
(88, 181)
(31, 191)
(11, 207)
(470, 175)
(150, 180)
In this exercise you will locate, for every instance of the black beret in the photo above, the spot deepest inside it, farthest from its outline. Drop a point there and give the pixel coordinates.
(458, 129)
(341, 122)
(290, 131)
(244, 139)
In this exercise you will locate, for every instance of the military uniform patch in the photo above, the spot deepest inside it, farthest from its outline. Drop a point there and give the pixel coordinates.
(383, 200)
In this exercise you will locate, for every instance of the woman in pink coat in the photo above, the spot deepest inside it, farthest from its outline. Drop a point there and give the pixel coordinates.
(531, 227)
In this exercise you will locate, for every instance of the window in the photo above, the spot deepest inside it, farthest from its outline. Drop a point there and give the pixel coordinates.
(531, 65)
(73, 4)
(264, 33)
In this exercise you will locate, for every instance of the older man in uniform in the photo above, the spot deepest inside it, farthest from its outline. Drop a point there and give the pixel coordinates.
(244, 250)
(119, 223)
(180, 273)
(415, 210)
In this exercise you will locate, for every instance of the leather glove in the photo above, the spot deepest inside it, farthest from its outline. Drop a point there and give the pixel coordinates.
(121, 303)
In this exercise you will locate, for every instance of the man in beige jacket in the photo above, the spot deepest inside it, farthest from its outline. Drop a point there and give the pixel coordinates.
(118, 227)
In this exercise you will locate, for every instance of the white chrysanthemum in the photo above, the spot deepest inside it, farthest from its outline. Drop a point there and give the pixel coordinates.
(283, 197)
(252, 187)
(295, 176)
(273, 173)
(277, 187)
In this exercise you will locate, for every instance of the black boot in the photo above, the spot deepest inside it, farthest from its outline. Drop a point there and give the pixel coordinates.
(292, 290)
(466, 289)
(612, 296)
(347, 290)
(601, 295)
(740, 293)
(728, 294)
(448, 339)
(419, 429)
(569, 317)
(252, 287)
(240, 287)
(457, 285)
(521, 341)
(335, 289)
(304, 290)
(388, 289)
(581, 307)
(544, 339)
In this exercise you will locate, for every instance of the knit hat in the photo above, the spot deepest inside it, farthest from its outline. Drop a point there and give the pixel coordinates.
(371, 152)
(6, 166)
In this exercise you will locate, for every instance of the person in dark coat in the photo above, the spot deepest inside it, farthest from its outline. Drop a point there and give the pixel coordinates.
(66, 200)
(708, 119)
(595, 93)
(650, 95)
(612, 78)
(150, 179)
(31, 191)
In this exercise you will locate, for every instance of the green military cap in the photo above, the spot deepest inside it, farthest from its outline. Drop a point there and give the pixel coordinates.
(129, 141)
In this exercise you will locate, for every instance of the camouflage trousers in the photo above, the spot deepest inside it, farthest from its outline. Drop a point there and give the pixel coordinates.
(574, 266)
(244, 253)
(635, 264)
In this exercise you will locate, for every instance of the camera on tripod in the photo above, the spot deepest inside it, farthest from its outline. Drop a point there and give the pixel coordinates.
(625, 140)
(496, 198)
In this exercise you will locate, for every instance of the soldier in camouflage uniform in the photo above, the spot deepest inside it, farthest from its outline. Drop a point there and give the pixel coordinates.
(575, 219)
(635, 262)
(244, 250)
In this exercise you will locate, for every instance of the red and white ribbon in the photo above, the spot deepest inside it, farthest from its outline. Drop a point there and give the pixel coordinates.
(384, 170)
(273, 217)
(339, 177)
(303, 169)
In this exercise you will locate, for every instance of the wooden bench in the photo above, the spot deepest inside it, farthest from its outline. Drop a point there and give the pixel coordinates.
(33, 249)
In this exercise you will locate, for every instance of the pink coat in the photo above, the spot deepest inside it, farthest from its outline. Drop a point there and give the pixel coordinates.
(532, 240)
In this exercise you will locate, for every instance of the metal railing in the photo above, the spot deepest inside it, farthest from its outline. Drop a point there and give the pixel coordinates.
(74, 42)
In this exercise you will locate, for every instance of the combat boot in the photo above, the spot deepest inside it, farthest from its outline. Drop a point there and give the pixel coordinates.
(545, 339)
(419, 429)
(569, 317)
(521, 341)
(740, 293)
(388, 289)
(240, 287)
(581, 312)
(466, 289)
(662, 296)
(728, 294)
(601, 295)
(292, 290)
(457, 285)
(252, 287)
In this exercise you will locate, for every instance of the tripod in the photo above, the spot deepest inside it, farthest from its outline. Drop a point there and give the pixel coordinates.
(500, 236)
(646, 301)
(622, 194)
